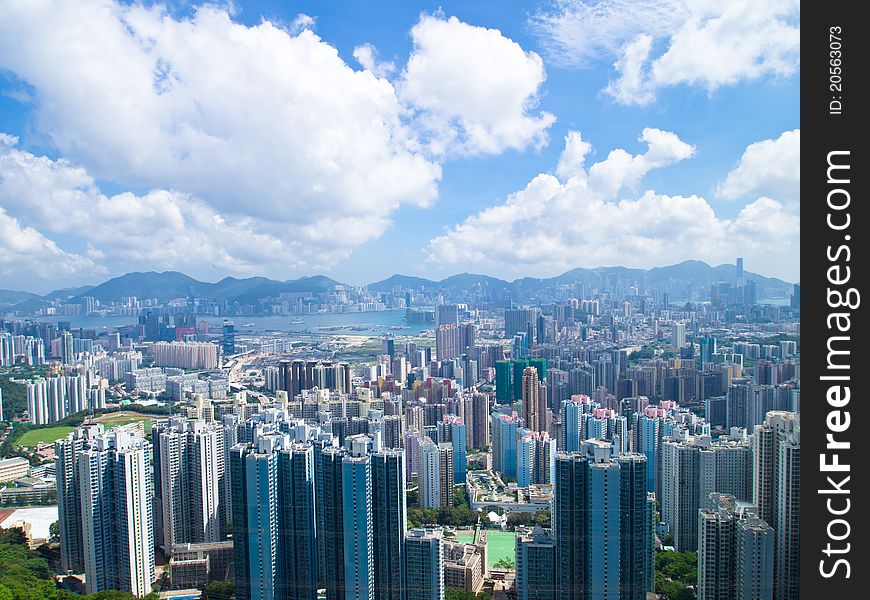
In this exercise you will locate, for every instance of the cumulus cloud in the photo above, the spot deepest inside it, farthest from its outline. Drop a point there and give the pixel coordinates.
(159, 229)
(367, 56)
(26, 250)
(675, 42)
(474, 89)
(767, 168)
(578, 218)
(259, 136)
(240, 116)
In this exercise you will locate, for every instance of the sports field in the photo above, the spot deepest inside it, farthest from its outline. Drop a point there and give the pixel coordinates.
(499, 544)
(115, 419)
(47, 435)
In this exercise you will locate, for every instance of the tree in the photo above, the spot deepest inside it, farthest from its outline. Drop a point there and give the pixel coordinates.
(54, 532)
(219, 590)
(451, 593)
(517, 519)
(504, 563)
(543, 518)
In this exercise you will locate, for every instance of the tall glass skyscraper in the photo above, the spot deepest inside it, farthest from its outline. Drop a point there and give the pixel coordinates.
(602, 522)
(389, 518)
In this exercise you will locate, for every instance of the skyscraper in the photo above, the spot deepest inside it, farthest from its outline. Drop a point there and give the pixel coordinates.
(445, 473)
(458, 440)
(389, 523)
(603, 529)
(776, 493)
(331, 505)
(189, 480)
(117, 523)
(503, 381)
(430, 474)
(359, 565)
(535, 455)
(228, 340)
(680, 475)
(69, 506)
(534, 402)
(535, 564)
(570, 526)
(446, 314)
(678, 335)
(735, 551)
(504, 443)
(274, 528)
(298, 530)
(447, 342)
(518, 320)
(424, 564)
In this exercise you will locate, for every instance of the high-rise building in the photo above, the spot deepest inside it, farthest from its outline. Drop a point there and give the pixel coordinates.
(503, 381)
(299, 576)
(69, 506)
(445, 473)
(678, 335)
(189, 482)
(274, 526)
(446, 314)
(458, 439)
(602, 524)
(519, 320)
(535, 564)
(447, 342)
(570, 527)
(117, 522)
(535, 457)
(430, 475)
(228, 338)
(359, 568)
(66, 348)
(331, 507)
(680, 481)
(735, 551)
(776, 493)
(424, 564)
(518, 367)
(480, 423)
(389, 523)
(534, 401)
(504, 443)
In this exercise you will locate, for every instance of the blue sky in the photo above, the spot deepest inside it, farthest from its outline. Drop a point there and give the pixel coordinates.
(364, 139)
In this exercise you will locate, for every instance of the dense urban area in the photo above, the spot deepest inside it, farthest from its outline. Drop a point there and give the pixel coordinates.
(606, 434)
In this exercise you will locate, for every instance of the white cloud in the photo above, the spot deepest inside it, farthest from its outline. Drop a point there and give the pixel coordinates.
(767, 168)
(367, 56)
(254, 121)
(260, 143)
(621, 169)
(577, 32)
(678, 42)
(24, 250)
(476, 90)
(580, 220)
(301, 23)
(160, 229)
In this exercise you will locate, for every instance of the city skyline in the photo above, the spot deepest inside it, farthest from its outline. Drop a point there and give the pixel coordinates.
(376, 140)
(404, 279)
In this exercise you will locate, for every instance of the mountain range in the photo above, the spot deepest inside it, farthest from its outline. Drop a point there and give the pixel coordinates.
(167, 285)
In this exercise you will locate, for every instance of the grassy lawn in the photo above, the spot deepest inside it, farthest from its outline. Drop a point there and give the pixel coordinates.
(47, 435)
(499, 544)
